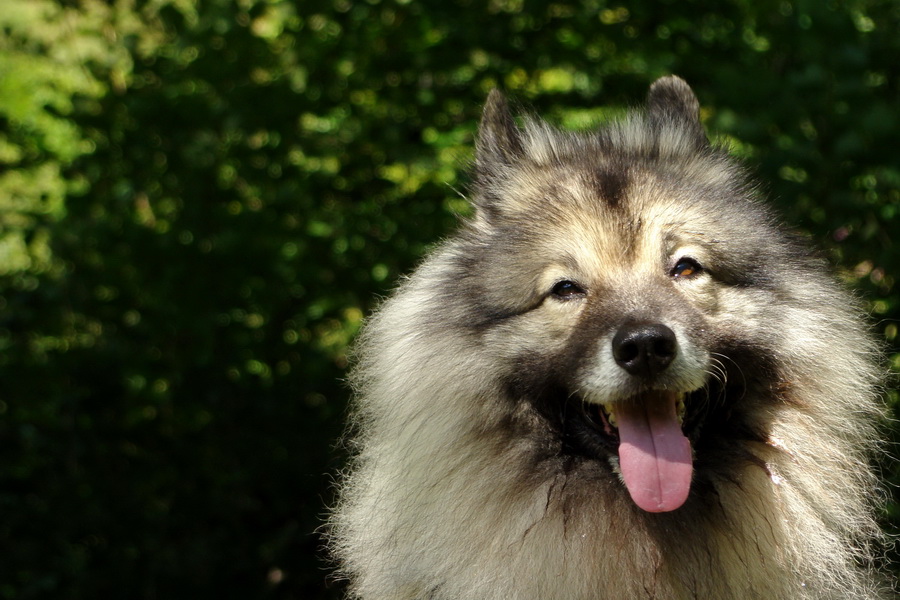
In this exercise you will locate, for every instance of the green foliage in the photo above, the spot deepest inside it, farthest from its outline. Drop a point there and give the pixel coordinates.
(199, 202)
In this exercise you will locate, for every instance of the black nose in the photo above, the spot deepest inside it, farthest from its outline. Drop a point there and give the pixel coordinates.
(644, 349)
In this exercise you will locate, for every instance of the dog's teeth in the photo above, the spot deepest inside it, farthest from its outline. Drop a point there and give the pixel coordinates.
(610, 410)
(680, 409)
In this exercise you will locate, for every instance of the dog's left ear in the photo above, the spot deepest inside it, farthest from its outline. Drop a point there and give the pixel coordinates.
(671, 99)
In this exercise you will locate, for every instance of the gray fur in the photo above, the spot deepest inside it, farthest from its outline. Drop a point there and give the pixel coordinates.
(475, 475)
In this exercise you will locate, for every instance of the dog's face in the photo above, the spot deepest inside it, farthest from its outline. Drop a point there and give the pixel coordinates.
(630, 304)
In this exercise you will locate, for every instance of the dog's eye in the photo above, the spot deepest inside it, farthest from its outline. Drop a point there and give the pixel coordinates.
(686, 267)
(567, 290)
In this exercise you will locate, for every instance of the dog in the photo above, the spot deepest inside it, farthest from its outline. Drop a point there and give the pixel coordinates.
(621, 378)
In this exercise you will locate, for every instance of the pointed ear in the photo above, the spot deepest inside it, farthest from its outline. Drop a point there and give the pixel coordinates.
(499, 141)
(671, 100)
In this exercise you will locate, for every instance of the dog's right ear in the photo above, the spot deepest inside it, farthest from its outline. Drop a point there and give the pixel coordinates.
(499, 142)
(498, 147)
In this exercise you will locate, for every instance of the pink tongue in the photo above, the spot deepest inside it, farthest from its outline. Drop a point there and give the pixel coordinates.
(654, 454)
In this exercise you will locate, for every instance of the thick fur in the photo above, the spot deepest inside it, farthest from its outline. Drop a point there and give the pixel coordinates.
(473, 479)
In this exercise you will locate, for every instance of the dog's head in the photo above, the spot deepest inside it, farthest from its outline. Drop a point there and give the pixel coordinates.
(636, 290)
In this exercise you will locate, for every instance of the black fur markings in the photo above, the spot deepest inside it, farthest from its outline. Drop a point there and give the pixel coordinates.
(611, 183)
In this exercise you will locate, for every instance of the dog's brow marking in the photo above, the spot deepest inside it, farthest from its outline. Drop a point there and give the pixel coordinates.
(611, 184)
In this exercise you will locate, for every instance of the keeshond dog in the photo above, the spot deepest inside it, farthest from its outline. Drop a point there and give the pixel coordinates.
(621, 378)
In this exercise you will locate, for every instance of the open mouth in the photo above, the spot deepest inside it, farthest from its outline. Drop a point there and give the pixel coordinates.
(603, 415)
(601, 422)
(649, 433)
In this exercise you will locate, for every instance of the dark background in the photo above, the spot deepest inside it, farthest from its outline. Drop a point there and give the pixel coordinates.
(200, 200)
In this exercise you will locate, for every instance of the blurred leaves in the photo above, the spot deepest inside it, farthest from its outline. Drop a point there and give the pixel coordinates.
(199, 201)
